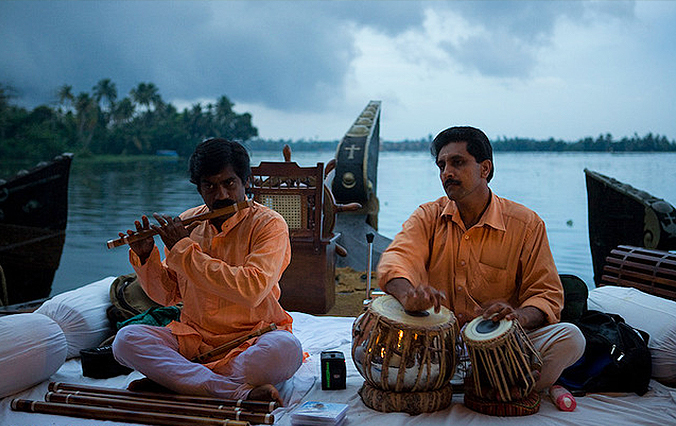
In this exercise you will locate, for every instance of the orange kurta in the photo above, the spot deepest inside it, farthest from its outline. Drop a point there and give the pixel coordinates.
(227, 280)
(505, 256)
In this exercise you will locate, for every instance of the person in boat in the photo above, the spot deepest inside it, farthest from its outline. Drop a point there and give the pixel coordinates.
(479, 254)
(225, 271)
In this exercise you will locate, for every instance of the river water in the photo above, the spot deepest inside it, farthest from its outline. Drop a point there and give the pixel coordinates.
(105, 198)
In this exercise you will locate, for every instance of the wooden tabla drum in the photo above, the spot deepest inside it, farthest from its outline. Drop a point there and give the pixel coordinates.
(503, 359)
(399, 352)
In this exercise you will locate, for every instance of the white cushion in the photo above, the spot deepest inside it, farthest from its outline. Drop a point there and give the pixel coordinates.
(81, 313)
(652, 314)
(33, 347)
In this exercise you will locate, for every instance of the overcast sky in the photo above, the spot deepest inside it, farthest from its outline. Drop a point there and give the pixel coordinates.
(306, 69)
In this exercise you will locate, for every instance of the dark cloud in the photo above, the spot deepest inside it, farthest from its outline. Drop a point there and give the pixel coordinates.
(282, 54)
(288, 55)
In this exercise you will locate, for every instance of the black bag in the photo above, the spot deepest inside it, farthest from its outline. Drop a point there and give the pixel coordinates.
(616, 357)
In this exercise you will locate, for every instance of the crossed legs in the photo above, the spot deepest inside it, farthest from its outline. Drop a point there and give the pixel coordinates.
(560, 346)
(253, 374)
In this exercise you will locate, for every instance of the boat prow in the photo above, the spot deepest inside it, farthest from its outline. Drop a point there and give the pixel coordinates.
(354, 180)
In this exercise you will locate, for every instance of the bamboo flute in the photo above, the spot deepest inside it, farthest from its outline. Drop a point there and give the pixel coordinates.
(187, 221)
(137, 404)
(132, 397)
(129, 416)
(257, 406)
(227, 347)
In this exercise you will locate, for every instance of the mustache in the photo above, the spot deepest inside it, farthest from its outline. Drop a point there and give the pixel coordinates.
(219, 204)
(450, 181)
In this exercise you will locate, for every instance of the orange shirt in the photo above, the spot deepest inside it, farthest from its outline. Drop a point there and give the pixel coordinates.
(505, 256)
(228, 281)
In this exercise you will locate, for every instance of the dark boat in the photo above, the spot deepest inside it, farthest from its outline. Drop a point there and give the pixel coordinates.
(620, 214)
(356, 168)
(355, 181)
(33, 217)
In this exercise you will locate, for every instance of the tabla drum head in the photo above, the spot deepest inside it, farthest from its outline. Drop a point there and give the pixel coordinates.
(481, 329)
(389, 307)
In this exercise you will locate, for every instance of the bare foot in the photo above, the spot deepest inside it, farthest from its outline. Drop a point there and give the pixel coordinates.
(265, 393)
(147, 385)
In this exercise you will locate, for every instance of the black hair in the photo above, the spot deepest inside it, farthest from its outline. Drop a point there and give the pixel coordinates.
(213, 155)
(478, 144)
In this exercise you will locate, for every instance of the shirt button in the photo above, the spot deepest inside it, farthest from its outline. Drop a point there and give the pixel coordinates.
(462, 262)
(467, 237)
(459, 287)
(460, 315)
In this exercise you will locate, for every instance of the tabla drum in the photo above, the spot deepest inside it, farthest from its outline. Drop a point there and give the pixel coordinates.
(400, 352)
(503, 362)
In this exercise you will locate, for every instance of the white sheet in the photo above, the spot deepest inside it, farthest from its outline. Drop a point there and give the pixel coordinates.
(657, 407)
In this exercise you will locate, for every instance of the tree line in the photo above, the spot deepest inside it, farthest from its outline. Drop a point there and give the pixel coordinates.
(99, 123)
(602, 143)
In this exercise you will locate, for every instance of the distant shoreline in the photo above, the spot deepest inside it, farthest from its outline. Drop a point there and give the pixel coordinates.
(10, 166)
(603, 143)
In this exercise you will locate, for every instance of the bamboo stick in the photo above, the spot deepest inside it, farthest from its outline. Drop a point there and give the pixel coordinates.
(138, 404)
(129, 416)
(256, 406)
(227, 347)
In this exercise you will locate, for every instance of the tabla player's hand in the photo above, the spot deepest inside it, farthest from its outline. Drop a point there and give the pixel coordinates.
(170, 229)
(142, 247)
(529, 317)
(423, 297)
(499, 310)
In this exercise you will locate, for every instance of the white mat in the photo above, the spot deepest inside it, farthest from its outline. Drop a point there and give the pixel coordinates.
(657, 407)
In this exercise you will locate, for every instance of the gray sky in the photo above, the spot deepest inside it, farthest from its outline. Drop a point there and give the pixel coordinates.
(306, 69)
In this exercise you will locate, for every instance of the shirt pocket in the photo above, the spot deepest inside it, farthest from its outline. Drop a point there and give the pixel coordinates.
(202, 305)
(491, 284)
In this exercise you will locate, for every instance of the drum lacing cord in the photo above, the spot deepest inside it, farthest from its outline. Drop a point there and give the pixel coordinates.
(463, 361)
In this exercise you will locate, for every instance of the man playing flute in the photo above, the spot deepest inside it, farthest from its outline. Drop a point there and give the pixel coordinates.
(226, 272)
(480, 254)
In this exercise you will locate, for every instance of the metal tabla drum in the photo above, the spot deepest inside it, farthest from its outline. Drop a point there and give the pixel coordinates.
(400, 352)
(503, 359)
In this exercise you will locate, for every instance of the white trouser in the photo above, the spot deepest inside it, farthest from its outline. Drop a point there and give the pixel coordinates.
(560, 346)
(153, 351)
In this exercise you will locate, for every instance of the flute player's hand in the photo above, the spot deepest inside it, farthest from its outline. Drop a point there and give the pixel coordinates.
(170, 229)
(143, 247)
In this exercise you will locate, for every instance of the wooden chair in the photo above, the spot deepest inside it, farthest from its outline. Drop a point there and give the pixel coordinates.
(298, 194)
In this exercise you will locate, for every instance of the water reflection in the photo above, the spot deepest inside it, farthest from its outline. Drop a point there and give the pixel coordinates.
(106, 198)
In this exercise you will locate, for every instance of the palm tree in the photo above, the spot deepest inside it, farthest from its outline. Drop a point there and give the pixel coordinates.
(5, 96)
(124, 111)
(231, 125)
(105, 88)
(87, 113)
(66, 98)
(146, 94)
(224, 107)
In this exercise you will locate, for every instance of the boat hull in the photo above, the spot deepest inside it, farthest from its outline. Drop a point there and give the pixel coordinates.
(33, 219)
(622, 215)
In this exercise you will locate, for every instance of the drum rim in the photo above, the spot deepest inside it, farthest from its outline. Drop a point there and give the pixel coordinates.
(415, 321)
(503, 330)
